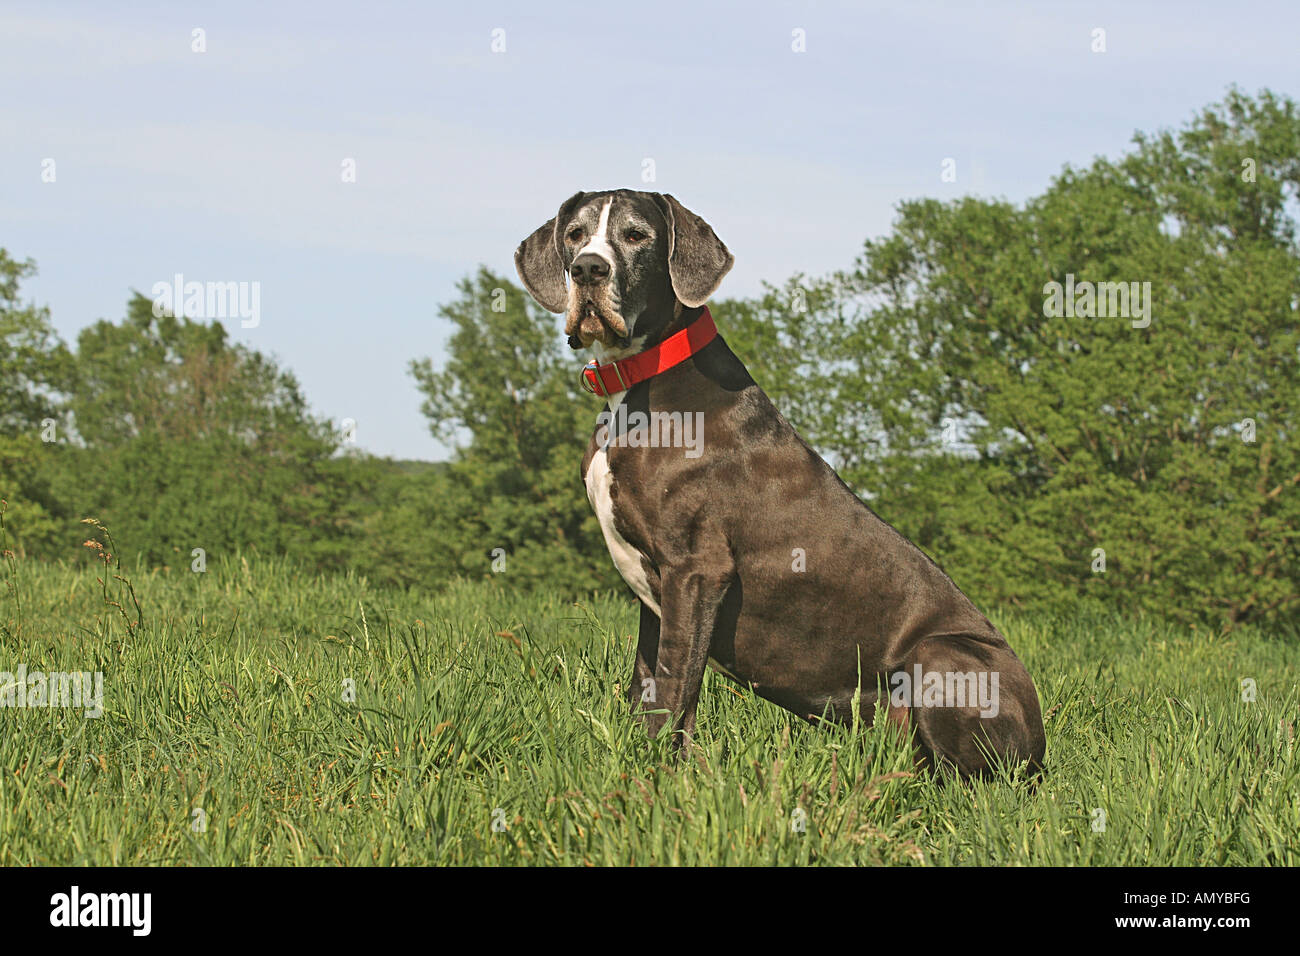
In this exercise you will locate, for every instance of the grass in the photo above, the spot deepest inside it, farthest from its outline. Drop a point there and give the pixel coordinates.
(227, 695)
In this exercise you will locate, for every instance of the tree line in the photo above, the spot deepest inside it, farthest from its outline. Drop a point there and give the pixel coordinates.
(1091, 395)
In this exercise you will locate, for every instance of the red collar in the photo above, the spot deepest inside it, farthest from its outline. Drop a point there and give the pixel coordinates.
(677, 348)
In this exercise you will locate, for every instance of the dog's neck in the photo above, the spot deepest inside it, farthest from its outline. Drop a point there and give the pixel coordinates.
(604, 354)
(649, 329)
(682, 317)
(654, 333)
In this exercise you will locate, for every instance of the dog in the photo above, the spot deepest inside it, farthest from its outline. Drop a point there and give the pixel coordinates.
(752, 555)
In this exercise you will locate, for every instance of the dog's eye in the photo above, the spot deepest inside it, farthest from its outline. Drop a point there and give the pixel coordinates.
(574, 235)
(635, 235)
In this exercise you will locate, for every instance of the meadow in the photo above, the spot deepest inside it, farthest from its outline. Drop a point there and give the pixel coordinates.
(258, 714)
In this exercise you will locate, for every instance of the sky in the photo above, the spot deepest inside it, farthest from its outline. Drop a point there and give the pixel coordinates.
(795, 129)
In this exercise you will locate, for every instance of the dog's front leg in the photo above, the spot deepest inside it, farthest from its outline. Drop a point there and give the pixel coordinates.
(691, 597)
(641, 693)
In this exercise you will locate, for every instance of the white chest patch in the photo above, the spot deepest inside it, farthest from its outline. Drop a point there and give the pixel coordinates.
(626, 558)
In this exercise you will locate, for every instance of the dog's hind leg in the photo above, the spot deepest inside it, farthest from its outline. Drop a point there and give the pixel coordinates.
(976, 708)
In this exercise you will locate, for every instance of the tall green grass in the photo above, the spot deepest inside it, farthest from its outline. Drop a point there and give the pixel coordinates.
(482, 705)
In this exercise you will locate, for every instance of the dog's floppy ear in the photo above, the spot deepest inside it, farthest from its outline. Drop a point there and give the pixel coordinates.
(537, 260)
(697, 259)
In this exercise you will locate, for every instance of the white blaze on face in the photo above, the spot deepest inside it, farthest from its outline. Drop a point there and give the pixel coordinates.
(599, 243)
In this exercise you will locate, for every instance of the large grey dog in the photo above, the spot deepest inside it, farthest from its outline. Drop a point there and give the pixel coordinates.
(752, 554)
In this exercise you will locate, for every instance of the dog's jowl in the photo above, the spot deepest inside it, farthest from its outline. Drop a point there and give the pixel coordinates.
(745, 549)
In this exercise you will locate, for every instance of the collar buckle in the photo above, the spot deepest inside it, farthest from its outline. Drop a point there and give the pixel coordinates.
(591, 382)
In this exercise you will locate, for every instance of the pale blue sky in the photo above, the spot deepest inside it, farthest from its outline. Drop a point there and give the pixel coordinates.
(225, 165)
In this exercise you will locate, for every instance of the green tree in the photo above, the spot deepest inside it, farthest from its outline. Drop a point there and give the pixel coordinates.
(510, 393)
(35, 367)
(1013, 443)
(191, 441)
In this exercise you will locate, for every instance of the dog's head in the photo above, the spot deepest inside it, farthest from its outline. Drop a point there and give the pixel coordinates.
(631, 257)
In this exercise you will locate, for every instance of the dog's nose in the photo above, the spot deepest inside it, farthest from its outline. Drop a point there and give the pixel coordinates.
(589, 269)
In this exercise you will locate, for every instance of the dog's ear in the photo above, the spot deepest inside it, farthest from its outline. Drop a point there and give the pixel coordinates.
(537, 260)
(697, 259)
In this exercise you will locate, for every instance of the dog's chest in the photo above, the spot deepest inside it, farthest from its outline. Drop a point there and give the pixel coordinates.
(628, 560)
